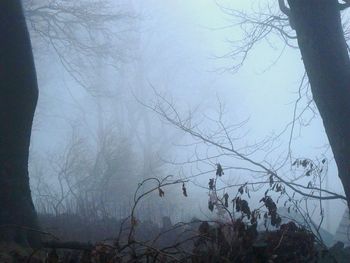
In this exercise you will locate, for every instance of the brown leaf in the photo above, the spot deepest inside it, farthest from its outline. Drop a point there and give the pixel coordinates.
(160, 192)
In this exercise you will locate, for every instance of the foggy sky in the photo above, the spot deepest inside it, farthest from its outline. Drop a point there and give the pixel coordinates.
(177, 50)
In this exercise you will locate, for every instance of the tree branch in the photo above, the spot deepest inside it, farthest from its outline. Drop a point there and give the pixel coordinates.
(285, 10)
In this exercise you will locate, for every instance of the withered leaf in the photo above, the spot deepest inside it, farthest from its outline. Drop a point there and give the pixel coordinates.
(211, 184)
(226, 199)
(211, 206)
(184, 190)
(219, 170)
(160, 192)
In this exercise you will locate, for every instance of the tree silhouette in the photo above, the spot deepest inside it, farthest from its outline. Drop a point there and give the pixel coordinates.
(325, 56)
(18, 98)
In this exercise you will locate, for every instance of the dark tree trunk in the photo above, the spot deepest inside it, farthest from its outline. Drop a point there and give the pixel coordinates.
(324, 53)
(18, 97)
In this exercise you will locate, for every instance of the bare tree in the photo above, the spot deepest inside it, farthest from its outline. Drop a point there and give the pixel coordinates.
(19, 92)
(316, 28)
(78, 32)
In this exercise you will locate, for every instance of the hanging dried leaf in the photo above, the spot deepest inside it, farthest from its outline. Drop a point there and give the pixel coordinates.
(184, 191)
(272, 210)
(226, 199)
(304, 163)
(210, 206)
(211, 184)
(245, 208)
(219, 170)
(269, 203)
(238, 206)
(242, 206)
(160, 192)
(271, 180)
(278, 188)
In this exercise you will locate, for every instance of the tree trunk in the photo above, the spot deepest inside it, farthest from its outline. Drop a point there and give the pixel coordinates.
(18, 98)
(325, 56)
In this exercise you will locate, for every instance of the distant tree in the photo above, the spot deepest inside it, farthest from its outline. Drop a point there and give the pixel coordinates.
(18, 98)
(79, 32)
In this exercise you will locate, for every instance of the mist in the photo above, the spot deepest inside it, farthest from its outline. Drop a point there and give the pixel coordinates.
(141, 101)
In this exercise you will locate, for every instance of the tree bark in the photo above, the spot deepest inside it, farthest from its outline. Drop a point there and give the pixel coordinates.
(325, 56)
(18, 98)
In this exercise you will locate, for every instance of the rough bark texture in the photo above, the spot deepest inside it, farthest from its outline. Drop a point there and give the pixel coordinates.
(18, 97)
(324, 53)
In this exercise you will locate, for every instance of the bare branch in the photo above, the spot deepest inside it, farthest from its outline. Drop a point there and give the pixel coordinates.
(285, 10)
(343, 6)
(257, 27)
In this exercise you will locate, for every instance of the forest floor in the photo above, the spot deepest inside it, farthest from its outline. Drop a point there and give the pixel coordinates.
(197, 242)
